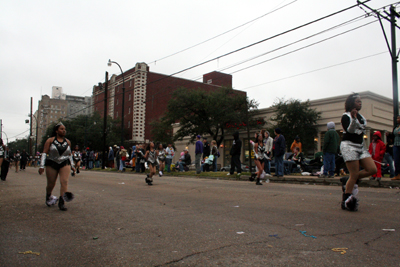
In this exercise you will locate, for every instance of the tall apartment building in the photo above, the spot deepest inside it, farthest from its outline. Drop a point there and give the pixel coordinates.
(55, 109)
(146, 96)
(78, 105)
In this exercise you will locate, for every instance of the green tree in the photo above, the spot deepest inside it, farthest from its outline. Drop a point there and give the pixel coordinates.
(162, 131)
(208, 112)
(18, 144)
(87, 131)
(294, 117)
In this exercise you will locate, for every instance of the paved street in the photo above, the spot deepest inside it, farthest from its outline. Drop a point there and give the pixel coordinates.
(117, 220)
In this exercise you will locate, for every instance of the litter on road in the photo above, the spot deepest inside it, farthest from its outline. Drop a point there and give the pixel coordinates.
(304, 233)
(30, 252)
(341, 250)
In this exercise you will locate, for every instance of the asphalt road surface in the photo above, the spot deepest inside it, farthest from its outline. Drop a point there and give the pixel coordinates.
(116, 219)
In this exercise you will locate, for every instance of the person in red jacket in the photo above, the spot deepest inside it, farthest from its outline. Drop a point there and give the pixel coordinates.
(377, 149)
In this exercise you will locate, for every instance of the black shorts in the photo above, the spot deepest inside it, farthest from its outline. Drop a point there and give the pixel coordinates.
(55, 165)
(152, 164)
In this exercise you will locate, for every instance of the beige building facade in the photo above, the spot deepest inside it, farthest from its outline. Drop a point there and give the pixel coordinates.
(377, 110)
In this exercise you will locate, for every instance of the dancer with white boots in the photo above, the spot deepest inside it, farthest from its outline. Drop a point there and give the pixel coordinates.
(58, 163)
(259, 155)
(161, 159)
(353, 151)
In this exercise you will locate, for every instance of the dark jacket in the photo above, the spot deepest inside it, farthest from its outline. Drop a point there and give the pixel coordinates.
(206, 150)
(331, 142)
(279, 146)
(188, 159)
(199, 147)
(389, 144)
(236, 149)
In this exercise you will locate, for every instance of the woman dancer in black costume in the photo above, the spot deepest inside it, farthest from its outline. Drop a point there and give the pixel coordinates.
(58, 163)
(151, 156)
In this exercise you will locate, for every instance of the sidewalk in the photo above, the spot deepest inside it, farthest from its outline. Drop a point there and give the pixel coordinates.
(289, 179)
(296, 179)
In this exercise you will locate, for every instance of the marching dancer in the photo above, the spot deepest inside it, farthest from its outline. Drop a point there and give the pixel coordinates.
(57, 164)
(151, 156)
(76, 156)
(353, 151)
(259, 155)
(161, 159)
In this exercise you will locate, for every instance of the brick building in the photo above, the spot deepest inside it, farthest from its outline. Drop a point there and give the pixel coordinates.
(146, 96)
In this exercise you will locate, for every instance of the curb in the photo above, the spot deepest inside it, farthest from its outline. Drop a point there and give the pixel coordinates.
(309, 180)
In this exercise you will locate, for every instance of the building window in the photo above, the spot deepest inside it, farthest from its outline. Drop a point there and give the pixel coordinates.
(129, 124)
(129, 97)
(117, 101)
(129, 111)
(117, 114)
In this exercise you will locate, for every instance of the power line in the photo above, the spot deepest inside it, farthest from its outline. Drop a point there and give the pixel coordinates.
(212, 38)
(311, 71)
(19, 134)
(281, 47)
(301, 48)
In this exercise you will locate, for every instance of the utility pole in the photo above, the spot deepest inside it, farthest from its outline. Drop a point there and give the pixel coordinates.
(30, 130)
(103, 165)
(391, 17)
(395, 57)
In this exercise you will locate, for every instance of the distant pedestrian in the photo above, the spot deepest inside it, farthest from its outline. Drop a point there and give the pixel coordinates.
(24, 159)
(279, 152)
(389, 152)
(184, 161)
(198, 152)
(296, 143)
(140, 160)
(17, 159)
(396, 150)
(353, 151)
(330, 149)
(235, 152)
(214, 152)
(123, 157)
(269, 143)
(206, 148)
(377, 150)
(170, 152)
(3, 160)
(161, 159)
(110, 157)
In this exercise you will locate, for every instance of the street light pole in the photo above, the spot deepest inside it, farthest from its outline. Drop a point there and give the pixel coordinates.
(123, 100)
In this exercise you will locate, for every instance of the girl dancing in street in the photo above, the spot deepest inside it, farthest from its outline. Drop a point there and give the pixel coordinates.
(353, 151)
(58, 163)
(76, 156)
(161, 159)
(151, 156)
(259, 155)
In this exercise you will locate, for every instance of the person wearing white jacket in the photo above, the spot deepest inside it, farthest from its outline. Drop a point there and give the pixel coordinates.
(268, 143)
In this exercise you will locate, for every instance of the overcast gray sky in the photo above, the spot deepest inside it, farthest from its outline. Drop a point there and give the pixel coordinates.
(68, 43)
